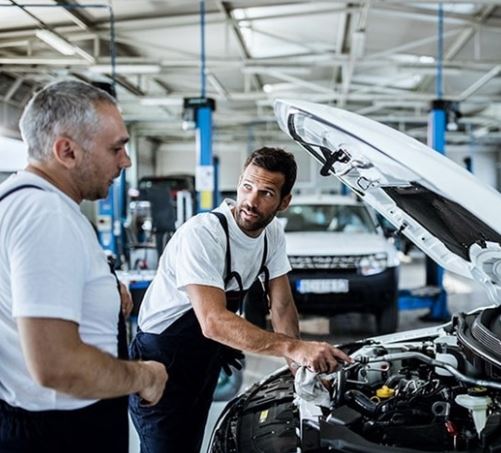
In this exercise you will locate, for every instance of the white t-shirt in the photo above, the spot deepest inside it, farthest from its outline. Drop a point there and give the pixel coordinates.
(196, 254)
(51, 266)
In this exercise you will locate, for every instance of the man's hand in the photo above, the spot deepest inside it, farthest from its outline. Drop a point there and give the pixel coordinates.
(154, 390)
(231, 358)
(125, 300)
(320, 357)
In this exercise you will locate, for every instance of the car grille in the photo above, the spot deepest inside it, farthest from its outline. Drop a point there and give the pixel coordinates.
(326, 262)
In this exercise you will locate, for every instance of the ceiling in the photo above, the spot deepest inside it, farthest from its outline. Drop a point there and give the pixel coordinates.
(378, 58)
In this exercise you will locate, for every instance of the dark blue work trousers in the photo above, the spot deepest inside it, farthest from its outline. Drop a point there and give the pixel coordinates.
(176, 424)
(99, 428)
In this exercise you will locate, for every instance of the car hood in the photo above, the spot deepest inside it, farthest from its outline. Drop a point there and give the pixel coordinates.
(447, 212)
(303, 243)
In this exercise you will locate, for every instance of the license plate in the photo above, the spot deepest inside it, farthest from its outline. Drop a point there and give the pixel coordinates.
(320, 286)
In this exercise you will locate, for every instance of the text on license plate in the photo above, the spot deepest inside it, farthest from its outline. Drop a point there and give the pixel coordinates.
(322, 286)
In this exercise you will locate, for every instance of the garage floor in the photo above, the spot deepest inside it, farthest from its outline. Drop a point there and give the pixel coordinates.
(464, 295)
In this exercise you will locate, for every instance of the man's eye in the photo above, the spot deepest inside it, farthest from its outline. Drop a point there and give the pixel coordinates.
(247, 187)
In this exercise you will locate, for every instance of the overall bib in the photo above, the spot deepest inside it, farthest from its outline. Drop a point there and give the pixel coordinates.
(176, 424)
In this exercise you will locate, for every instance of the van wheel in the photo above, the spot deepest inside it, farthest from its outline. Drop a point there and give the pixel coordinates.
(387, 318)
(255, 305)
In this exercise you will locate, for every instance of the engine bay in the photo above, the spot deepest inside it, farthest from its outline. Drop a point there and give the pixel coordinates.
(437, 394)
(429, 390)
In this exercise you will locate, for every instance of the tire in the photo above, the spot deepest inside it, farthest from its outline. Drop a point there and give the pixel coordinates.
(387, 318)
(255, 305)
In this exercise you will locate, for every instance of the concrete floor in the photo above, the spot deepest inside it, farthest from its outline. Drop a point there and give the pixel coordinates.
(463, 295)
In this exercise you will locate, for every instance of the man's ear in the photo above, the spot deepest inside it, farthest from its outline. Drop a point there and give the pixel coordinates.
(284, 204)
(64, 151)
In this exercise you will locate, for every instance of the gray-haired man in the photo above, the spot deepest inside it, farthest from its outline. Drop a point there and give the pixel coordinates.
(59, 303)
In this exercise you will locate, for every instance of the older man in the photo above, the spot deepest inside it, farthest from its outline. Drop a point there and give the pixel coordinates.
(59, 304)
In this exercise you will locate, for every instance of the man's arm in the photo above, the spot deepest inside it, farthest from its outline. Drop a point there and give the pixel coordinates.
(284, 316)
(126, 303)
(222, 325)
(283, 309)
(57, 358)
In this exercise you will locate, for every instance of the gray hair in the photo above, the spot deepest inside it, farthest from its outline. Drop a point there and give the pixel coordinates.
(65, 108)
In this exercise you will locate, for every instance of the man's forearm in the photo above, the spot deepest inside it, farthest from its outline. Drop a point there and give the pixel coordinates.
(285, 320)
(238, 333)
(88, 372)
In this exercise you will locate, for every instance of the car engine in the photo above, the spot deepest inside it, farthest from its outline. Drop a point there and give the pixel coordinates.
(438, 393)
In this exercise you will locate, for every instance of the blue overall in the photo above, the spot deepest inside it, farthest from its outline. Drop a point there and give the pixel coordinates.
(102, 427)
(176, 424)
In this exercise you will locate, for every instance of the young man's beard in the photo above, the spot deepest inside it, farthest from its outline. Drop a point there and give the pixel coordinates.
(259, 223)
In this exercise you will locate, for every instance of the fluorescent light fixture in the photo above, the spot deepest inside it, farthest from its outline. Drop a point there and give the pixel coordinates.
(291, 70)
(56, 42)
(165, 100)
(126, 68)
(413, 59)
(267, 88)
(481, 131)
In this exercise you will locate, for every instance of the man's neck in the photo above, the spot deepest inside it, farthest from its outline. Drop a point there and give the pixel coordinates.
(53, 179)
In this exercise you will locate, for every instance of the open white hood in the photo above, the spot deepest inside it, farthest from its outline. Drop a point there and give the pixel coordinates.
(447, 212)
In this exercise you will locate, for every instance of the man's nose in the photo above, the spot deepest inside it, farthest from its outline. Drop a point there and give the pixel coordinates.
(252, 198)
(125, 162)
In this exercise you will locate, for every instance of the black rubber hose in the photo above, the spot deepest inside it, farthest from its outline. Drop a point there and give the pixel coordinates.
(361, 401)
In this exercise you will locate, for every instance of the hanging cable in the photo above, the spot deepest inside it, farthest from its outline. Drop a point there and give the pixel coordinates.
(202, 49)
(439, 84)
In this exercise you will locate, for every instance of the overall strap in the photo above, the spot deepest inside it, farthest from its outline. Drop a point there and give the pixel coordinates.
(15, 189)
(122, 347)
(229, 273)
(264, 270)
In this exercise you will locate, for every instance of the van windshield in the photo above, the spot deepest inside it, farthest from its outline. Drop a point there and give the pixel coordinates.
(334, 218)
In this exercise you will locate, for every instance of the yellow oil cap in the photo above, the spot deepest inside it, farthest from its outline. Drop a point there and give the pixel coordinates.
(385, 392)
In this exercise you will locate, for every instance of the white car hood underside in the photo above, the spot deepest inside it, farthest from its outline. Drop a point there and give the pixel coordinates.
(447, 212)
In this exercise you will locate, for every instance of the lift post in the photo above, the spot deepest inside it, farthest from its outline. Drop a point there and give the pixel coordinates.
(198, 113)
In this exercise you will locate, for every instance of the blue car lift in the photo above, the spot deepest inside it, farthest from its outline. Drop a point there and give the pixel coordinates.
(199, 110)
(111, 217)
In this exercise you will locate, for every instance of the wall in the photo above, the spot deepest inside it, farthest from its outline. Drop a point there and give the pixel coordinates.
(146, 157)
(181, 158)
(13, 154)
(484, 164)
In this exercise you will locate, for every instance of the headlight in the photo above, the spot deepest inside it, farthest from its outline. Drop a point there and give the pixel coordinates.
(373, 264)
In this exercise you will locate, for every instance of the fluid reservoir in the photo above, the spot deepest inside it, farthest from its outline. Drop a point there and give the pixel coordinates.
(385, 392)
(477, 405)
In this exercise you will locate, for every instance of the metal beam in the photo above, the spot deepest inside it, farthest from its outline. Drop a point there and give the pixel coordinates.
(13, 88)
(410, 45)
(357, 47)
(77, 16)
(298, 82)
(226, 10)
(480, 83)
(312, 48)
(460, 42)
